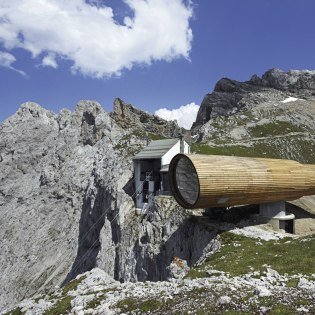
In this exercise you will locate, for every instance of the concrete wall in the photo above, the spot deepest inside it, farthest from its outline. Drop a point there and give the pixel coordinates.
(167, 157)
(304, 223)
(304, 226)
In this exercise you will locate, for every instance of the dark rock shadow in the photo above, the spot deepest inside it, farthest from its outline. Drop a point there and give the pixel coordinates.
(233, 214)
(129, 188)
(187, 242)
(91, 222)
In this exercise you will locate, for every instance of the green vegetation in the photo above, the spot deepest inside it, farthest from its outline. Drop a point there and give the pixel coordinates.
(260, 149)
(124, 142)
(292, 283)
(233, 313)
(246, 134)
(204, 301)
(146, 306)
(275, 128)
(281, 310)
(277, 308)
(97, 301)
(72, 285)
(226, 150)
(240, 255)
(63, 306)
(16, 311)
(94, 303)
(141, 134)
(293, 147)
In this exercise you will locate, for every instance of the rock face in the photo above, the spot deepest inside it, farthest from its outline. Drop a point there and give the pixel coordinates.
(301, 82)
(66, 204)
(48, 172)
(127, 116)
(230, 96)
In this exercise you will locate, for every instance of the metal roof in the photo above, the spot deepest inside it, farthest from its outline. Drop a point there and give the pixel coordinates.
(156, 149)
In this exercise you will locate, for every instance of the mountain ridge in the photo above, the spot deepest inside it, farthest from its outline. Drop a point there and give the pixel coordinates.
(230, 96)
(65, 201)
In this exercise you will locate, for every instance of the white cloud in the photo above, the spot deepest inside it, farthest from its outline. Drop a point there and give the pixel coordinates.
(6, 61)
(50, 61)
(89, 36)
(185, 115)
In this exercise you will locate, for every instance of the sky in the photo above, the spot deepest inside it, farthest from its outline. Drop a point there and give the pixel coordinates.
(161, 56)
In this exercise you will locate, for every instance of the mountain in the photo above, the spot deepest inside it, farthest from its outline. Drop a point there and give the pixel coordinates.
(72, 242)
(66, 201)
(272, 116)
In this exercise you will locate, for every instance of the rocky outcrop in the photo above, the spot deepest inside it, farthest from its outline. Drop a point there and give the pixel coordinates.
(204, 289)
(65, 207)
(230, 96)
(127, 116)
(301, 82)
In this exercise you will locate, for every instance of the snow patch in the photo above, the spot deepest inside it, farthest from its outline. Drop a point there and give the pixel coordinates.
(291, 99)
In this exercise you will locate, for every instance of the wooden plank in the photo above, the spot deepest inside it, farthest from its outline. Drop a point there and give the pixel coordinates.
(229, 180)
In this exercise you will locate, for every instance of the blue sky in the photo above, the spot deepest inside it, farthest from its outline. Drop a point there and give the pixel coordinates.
(164, 56)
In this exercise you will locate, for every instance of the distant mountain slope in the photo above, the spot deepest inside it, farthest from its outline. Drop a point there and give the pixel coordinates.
(269, 117)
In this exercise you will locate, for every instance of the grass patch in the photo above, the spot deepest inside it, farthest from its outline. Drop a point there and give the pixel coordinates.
(294, 148)
(235, 313)
(150, 305)
(72, 285)
(275, 128)
(258, 149)
(202, 148)
(63, 306)
(292, 283)
(16, 311)
(292, 258)
(281, 310)
(97, 301)
(94, 303)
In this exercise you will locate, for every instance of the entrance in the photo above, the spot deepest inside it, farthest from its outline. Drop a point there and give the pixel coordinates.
(288, 226)
(145, 191)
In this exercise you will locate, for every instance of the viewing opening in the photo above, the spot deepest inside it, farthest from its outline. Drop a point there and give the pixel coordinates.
(186, 182)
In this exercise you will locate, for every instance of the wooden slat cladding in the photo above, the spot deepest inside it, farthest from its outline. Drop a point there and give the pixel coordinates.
(229, 180)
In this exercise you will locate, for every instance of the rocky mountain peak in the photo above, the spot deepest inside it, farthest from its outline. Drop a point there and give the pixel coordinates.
(127, 116)
(230, 96)
(292, 80)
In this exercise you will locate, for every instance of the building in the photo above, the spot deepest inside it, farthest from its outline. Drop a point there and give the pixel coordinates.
(151, 169)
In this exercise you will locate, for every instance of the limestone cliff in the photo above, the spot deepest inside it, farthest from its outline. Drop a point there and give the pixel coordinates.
(66, 204)
(127, 116)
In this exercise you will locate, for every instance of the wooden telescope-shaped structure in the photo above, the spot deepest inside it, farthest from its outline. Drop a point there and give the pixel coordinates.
(201, 181)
